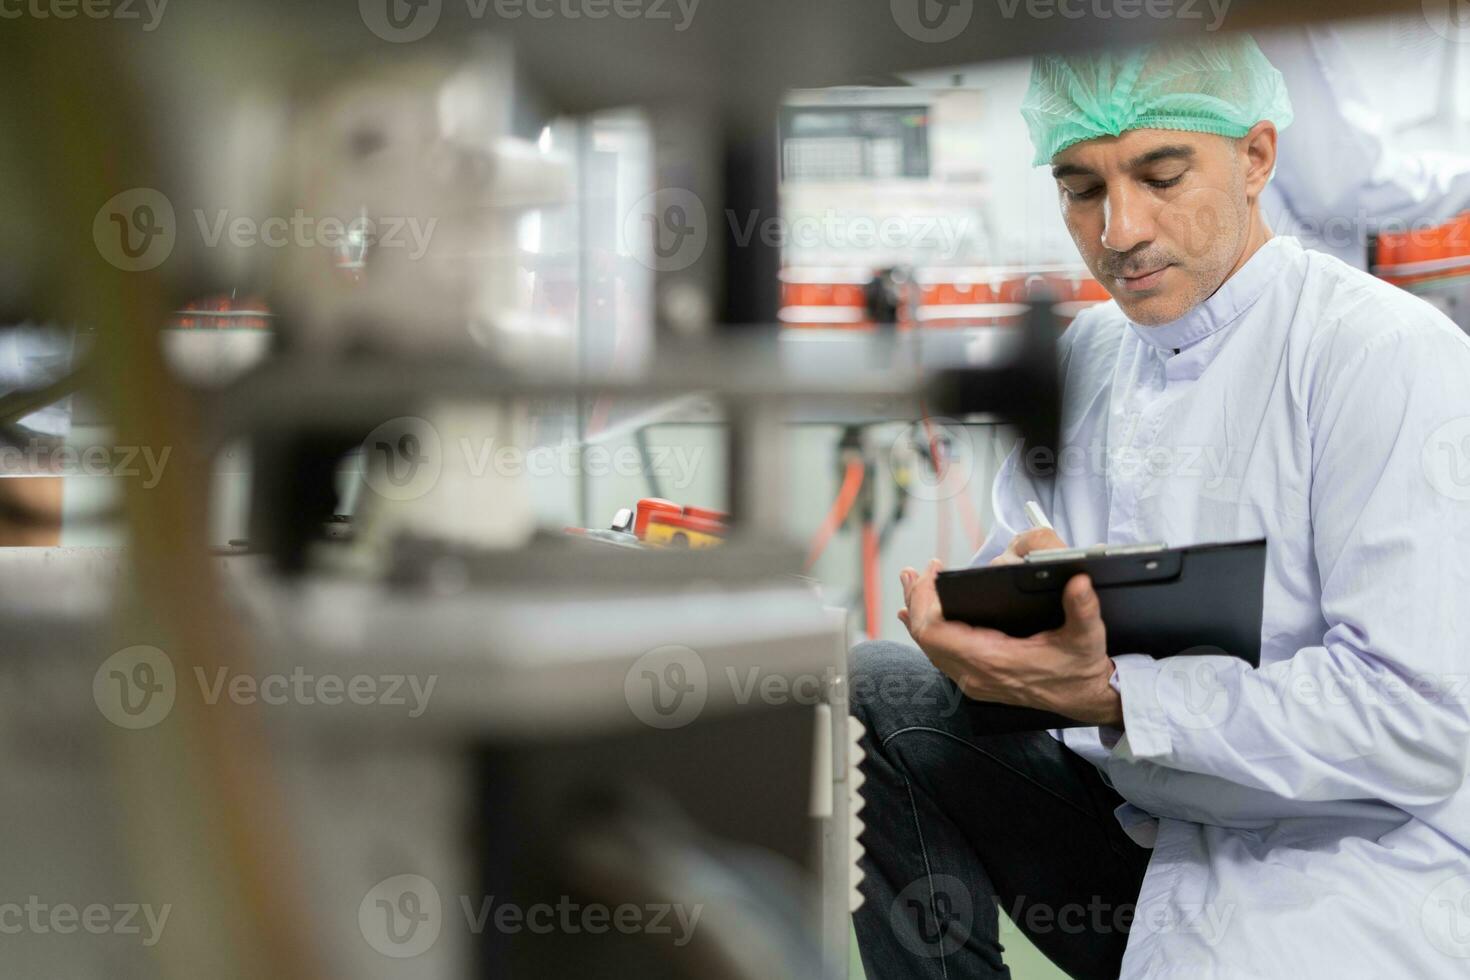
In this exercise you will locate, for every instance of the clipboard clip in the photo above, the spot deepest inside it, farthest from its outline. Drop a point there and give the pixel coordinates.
(1133, 564)
(1096, 551)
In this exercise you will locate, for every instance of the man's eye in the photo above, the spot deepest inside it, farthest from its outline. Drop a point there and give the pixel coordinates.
(1082, 195)
(1165, 184)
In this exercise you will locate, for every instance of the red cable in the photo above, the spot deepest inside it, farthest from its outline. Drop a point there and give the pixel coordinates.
(870, 578)
(852, 482)
(967, 506)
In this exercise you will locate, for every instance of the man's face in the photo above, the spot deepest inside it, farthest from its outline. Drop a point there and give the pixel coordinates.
(1160, 217)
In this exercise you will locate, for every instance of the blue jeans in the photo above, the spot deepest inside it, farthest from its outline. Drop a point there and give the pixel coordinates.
(958, 820)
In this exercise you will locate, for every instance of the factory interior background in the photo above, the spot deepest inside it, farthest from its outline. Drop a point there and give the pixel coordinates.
(978, 207)
(925, 177)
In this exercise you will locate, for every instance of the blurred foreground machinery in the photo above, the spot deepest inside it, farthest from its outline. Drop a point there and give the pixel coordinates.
(407, 752)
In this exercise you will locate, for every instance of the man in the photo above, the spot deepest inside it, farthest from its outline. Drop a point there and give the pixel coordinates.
(1305, 819)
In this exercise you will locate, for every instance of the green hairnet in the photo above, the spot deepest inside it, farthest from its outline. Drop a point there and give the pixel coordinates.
(1222, 86)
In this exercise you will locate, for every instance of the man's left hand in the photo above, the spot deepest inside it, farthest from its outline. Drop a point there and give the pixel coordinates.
(1065, 670)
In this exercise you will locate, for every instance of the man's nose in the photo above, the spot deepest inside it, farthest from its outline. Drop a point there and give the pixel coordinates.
(1128, 219)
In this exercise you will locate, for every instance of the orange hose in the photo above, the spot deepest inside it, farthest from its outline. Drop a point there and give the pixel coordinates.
(852, 482)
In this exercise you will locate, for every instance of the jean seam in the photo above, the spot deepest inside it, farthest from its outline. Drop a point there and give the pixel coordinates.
(1001, 762)
(928, 872)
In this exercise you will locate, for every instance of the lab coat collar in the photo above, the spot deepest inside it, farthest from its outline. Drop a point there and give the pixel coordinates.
(1235, 295)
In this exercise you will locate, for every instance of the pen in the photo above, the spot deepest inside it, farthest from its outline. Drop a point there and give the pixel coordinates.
(1036, 515)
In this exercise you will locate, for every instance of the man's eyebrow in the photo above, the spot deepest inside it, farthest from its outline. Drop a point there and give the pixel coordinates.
(1070, 170)
(1179, 152)
(1162, 153)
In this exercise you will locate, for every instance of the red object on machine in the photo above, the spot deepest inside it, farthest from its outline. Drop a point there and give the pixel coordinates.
(986, 296)
(944, 297)
(824, 298)
(1424, 254)
(220, 312)
(663, 522)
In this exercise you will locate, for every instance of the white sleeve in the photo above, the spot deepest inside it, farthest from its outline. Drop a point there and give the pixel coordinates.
(1379, 710)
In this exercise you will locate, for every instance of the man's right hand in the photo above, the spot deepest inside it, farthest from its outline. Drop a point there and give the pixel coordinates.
(1036, 539)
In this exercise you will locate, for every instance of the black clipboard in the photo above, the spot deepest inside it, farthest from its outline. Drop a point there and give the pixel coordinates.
(1159, 601)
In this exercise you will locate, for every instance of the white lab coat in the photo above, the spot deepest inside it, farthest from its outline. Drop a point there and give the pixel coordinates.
(1309, 818)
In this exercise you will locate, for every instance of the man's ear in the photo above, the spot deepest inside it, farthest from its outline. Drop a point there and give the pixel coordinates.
(1258, 150)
